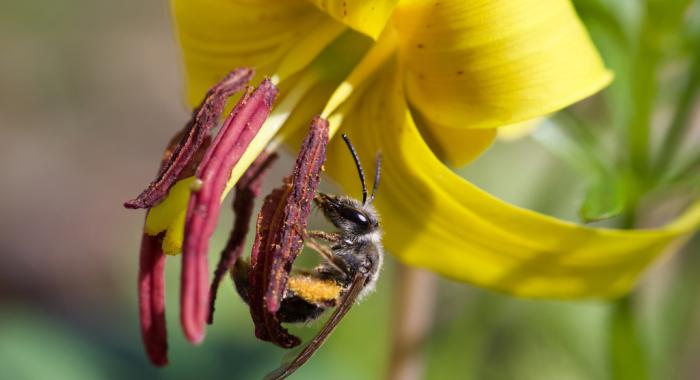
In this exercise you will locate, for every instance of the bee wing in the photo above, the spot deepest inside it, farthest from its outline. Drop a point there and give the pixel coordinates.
(343, 307)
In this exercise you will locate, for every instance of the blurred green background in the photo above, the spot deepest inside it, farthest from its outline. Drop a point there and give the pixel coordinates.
(89, 93)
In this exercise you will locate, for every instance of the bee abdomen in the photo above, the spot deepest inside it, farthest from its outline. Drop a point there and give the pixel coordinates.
(295, 309)
(306, 298)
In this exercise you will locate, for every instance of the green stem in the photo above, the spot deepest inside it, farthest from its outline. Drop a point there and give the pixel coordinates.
(627, 351)
(643, 90)
(629, 357)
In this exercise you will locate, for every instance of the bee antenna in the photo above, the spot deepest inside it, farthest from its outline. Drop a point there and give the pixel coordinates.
(377, 172)
(359, 167)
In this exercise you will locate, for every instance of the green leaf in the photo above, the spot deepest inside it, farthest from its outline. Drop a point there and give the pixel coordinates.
(577, 146)
(605, 199)
(577, 151)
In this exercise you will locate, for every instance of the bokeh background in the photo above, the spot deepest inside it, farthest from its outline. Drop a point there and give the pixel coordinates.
(91, 91)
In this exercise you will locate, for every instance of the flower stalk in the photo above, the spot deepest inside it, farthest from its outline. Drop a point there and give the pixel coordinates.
(627, 351)
(415, 294)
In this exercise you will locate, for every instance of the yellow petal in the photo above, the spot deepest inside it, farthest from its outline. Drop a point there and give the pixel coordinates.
(376, 57)
(488, 63)
(275, 37)
(456, 146)
(435, 219)
(517, 131)
(334, 65)
(365, 16)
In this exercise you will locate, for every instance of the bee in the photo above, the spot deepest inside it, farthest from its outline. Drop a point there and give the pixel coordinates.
(352, 258)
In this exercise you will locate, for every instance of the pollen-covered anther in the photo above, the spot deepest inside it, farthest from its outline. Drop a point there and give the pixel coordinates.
(152, 299)
(236, 133)
(278, 238)
(247, 189)
(183, 149)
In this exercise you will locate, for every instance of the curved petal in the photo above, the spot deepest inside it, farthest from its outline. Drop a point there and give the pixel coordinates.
(456, 146)
(488, 63)
(275, 37)
(435, 219)
(519, 130)
(365, 16)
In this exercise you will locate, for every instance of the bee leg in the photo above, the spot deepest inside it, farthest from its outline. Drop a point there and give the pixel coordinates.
(323, 235)
(326, 253)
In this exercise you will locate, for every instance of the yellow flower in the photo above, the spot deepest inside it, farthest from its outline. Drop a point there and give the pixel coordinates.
(425, 82)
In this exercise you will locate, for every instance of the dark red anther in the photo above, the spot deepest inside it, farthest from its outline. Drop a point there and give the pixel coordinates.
(179, 156)
(247, 189)
(267, 326)
(152, 299)
(278, 238)
(225, 151)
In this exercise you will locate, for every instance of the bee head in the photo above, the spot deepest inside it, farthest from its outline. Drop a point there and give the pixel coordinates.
(347, 214)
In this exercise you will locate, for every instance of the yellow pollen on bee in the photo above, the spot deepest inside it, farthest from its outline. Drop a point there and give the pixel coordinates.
(313, 289)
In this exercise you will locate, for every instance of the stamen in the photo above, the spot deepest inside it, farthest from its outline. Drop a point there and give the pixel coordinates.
(267, 326)
(179, 156)
(152, 299)
(268, 137)
(305, 180)
(231, 142)
(278, 238)
(247, 189)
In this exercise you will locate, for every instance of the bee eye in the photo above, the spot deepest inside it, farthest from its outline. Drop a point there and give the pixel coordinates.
(355, 216)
